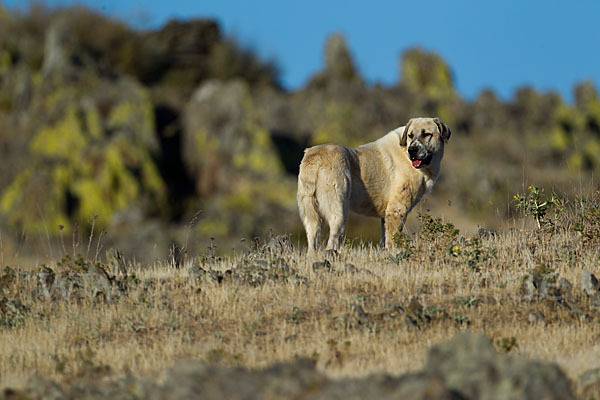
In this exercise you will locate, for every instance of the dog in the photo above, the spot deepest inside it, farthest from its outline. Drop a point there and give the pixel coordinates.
(384, 179)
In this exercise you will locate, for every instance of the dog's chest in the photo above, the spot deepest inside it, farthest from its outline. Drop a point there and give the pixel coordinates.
(408, 192)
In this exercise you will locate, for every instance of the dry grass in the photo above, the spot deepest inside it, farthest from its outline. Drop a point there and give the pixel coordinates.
(351, 323)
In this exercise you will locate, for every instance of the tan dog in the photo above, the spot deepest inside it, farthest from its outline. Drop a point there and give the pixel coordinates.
(385, 178)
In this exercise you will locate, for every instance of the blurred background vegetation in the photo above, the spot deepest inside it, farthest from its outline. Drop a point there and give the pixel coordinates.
(164, 139)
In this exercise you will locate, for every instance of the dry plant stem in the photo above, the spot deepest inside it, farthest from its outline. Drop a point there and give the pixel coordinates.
(87, 253)
(98, 244)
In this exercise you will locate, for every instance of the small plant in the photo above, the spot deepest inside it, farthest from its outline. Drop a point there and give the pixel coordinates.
(536, 205)
(506, 344)
(472, 253)
(587, 222)
(433, 311)
(221, 356)
(404, 246)
(467, 301)
(315, 356)
(88, 365)
(60, 363)
(461, 319)
(249, 327)
(434, 230)
(12, 313)
(295, 316)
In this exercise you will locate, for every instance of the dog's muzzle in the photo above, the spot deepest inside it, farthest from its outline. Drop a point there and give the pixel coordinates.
(418, 154)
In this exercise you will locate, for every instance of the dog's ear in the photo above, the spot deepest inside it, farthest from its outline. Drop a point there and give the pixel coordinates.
(444, 130)
(403, 137)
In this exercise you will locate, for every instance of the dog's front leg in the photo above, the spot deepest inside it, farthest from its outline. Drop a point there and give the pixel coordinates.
(394, 222)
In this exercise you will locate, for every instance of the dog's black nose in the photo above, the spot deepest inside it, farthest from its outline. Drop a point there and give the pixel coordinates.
(413, 150)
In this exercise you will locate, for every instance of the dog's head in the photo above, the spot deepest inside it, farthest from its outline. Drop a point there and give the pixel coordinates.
(424, 139)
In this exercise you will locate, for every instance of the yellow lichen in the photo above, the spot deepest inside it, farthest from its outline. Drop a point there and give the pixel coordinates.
(5, 61)
(65, 139)
(13, 194)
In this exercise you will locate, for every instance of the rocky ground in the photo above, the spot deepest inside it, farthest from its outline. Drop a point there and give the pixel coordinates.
(465, 367)
(505, 316)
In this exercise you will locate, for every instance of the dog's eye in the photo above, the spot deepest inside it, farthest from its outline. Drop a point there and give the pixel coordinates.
(426, 134)
(410, 135)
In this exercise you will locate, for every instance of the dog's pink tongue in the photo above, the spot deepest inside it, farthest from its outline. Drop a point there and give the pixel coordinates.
(416, 163)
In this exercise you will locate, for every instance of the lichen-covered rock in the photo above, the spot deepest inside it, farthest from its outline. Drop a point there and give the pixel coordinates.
(233, 160)
(426, 73)
(92, 157)
(223, 136)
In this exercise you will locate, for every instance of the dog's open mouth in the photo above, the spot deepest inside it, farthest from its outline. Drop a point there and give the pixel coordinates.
(418, 163)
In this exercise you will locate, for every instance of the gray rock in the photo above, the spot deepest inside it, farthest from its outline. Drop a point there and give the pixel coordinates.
(40, 388)
(339, 62)
(56, 48)
(470, 365)
(321, 266)
(417, 386)
(466, 367)
(588, 384)
(536, 317)
(564, 285)
(350, 269)
(589, 283)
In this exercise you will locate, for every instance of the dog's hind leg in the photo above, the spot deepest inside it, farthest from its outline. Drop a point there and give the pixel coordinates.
(312, 221)
(307, 202)
(334, 206)
(313, 229)
(337, 225)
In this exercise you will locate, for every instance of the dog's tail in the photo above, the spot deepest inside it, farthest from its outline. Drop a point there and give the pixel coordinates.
(307, 188)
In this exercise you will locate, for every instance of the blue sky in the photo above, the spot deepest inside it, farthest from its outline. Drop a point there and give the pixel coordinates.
(502, 45)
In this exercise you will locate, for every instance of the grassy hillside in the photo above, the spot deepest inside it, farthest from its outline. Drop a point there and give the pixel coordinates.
(354, 313)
